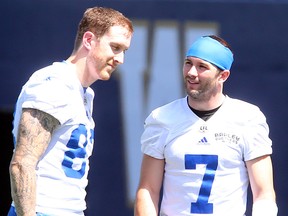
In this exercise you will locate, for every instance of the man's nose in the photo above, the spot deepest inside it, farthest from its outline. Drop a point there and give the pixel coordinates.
(119, 58)
(192, 71)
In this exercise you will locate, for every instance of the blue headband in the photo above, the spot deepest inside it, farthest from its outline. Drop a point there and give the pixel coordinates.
(211, 50)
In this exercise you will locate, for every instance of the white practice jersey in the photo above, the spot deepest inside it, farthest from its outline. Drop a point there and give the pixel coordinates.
(62, 170)
(205, 171)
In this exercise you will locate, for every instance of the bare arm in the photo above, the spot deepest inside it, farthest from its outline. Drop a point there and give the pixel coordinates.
(147, 196)
(261, 180)
(34, 135)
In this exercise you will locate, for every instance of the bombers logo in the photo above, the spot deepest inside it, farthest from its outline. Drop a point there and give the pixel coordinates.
(226, 137)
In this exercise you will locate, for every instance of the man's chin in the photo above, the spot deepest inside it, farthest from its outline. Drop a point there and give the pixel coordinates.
(105, 76)
(194, 94)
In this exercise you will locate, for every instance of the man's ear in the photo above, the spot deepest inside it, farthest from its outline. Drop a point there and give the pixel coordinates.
(224, 75)
(87, 39)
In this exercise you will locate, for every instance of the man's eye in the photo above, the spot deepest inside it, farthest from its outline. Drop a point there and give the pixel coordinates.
(115, 48)
(203, 66)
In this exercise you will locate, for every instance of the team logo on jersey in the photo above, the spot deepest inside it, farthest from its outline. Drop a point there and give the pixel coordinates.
(48, 78)
(203, 141)
(203, 128)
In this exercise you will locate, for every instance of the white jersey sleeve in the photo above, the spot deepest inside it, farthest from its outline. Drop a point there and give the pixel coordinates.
(256, 135)
(162, 124)
(50, 90)
(205, 172)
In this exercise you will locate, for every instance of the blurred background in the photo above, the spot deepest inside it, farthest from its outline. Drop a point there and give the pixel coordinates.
(36, 33)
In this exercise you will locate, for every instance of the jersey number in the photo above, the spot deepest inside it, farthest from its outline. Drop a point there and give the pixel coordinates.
(74, 160)
(201, 206)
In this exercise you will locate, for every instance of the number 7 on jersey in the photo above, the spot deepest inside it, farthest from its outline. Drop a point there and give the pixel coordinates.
(201, 206)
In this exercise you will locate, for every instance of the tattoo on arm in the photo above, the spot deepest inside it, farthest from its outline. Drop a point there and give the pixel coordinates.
(48, 122)
(35, 131)
(34, 134)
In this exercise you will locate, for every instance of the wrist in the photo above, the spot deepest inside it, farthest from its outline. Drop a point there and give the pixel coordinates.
(264, 207)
